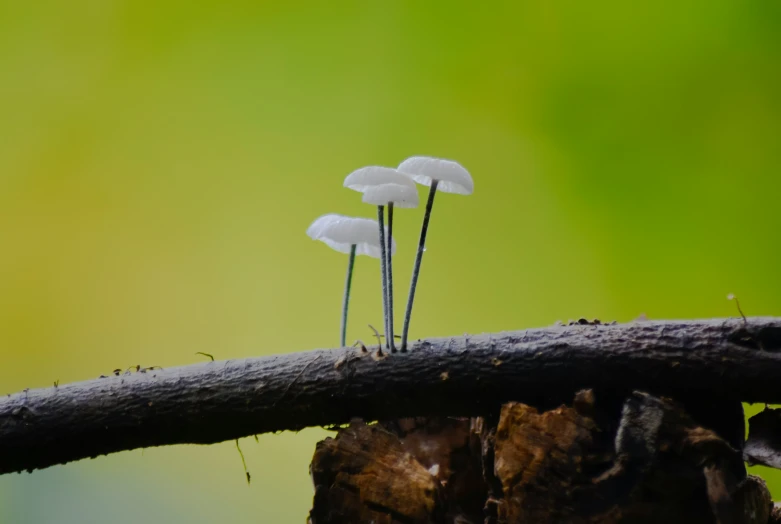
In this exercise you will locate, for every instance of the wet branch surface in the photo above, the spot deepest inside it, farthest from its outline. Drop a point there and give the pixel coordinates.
(718, 359)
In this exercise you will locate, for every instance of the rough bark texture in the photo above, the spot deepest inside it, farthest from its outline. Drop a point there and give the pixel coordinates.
(365, 475)
(764, 439)
(449, 448)
(646, 462)
(460, 376)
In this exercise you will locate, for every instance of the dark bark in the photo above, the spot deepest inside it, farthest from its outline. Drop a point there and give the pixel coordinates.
(764, 439)
(459, 376)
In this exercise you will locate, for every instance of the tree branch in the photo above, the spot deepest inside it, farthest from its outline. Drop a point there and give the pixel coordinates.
(468, 375)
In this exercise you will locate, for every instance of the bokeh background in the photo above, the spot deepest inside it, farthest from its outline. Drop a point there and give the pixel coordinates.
(161, 160)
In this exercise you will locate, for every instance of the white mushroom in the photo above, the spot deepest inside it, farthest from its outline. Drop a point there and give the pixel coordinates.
(362, 179)
(356, 236)
(449, 177)
(392, 195)
(385, 186)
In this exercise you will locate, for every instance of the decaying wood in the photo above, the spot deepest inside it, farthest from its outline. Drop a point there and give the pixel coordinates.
(450, 449)
(462, 376)
(538, 458)
(365, 475)
(764, 439)
(584, 463)
(775, 514)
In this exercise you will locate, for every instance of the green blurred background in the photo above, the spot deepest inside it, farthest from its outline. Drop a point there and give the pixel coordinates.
(161, 160)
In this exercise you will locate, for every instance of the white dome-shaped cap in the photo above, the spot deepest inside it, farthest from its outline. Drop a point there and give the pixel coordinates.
(341, 233)
(401, 196)
(362, 179)
(452, 176)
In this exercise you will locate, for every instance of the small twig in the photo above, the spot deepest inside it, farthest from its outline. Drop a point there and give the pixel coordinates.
(732, 296)
(243, 462)
(376, 334)
(379, 340)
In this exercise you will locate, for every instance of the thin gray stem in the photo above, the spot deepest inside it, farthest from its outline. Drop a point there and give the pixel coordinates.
(418, 259)
(347, 284)
(383, 269)
(390, 278)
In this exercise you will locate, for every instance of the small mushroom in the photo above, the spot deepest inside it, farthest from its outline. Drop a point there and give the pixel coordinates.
(449, 177)
(355, 236)
(384, 186)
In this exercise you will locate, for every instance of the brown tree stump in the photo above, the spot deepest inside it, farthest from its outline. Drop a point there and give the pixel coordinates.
(640, 460)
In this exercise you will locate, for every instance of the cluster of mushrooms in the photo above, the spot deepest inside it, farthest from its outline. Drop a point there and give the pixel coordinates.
(386, 187)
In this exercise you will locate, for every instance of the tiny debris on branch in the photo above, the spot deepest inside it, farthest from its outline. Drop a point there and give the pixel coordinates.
(701, 363)
(647, 461)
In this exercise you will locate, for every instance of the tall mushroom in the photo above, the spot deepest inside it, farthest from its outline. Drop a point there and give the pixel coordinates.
(356, 236)
(384, 186)
(449, 177)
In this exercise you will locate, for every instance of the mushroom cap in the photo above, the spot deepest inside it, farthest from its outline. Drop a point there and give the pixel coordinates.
(401, 196)
(341, 233)
(452, 176)
(362, 179)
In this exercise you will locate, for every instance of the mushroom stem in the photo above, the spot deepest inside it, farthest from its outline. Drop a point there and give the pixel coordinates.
(347, 283)
(384, 269)
(389, 331)
(416, 269)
